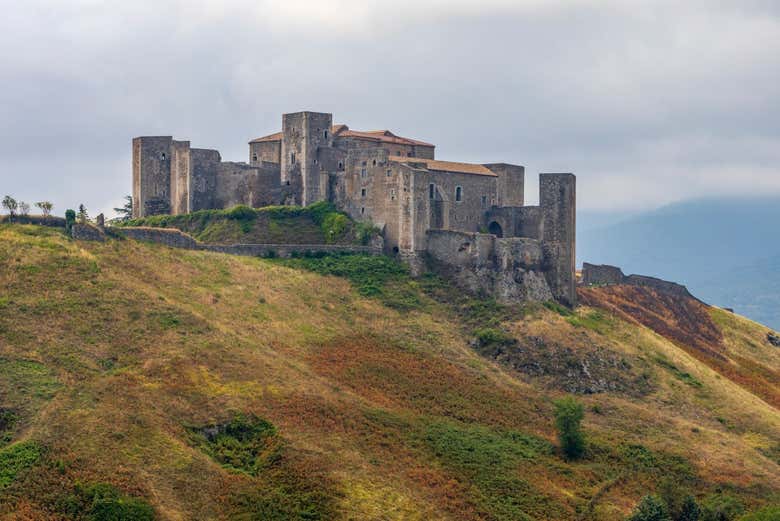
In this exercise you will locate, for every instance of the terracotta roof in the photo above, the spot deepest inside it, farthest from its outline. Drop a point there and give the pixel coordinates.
(446, 166)
(383, 136)
(270, 137)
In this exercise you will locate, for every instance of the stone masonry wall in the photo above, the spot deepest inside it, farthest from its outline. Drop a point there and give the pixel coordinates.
(510, 269)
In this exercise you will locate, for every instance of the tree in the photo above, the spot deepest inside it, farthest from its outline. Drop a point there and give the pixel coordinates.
(70, 218)
(126, 211)
(24, 208)
(83, 216)
(650, 508)
(568, 416)
(689, 510)
(45, 207)
(10, 204)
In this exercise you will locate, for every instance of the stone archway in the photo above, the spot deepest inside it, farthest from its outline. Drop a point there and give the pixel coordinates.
(495, 229)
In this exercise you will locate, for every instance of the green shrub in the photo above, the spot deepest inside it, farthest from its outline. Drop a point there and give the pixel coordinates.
(490, 341)
(17, 458)
(650, 508)
(103, 502)
(70, 219)
(241, 212)
(334, 225)
(770, 513)
(689, 510)
(246, 443)
(568, 416)
(721, 507)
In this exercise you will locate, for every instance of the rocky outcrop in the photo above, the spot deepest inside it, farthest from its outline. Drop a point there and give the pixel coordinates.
(511, 269)
(606, 275)
(773, 339)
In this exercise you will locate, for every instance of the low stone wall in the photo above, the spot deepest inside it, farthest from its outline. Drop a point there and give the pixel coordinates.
(604, 274)
(511, 269)
(167, 236)
(87, 232)
(177, 239)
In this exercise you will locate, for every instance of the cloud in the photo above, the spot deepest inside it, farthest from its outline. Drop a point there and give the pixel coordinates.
(646, 101)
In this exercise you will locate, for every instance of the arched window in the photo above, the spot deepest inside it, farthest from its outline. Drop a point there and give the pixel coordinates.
(458, 193)
(162, 156)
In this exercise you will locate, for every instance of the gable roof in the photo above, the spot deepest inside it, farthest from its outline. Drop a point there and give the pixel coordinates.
(277, 136)
(446, 166)
(380, 136)
(384, 136)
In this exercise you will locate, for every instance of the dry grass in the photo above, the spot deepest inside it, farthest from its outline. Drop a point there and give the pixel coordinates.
(113, 350)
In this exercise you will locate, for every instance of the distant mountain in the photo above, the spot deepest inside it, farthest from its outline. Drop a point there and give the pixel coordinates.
(726, 250)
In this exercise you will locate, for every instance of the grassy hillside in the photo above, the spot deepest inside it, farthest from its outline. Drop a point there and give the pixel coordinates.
(318, 223)
(144, 382)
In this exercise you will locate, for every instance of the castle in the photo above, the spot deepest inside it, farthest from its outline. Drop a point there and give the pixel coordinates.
(466, 220)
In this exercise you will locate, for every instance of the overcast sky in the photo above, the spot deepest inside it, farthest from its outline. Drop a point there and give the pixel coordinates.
(648, 102)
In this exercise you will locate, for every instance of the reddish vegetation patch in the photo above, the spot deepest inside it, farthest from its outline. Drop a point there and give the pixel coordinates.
(683, 320)
(687, 323)
(392, 377)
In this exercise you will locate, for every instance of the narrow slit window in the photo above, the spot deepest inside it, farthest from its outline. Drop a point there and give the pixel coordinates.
(363, 172)
(254, 157)
(362, 192)
(292, 157)
(389, 173)
(458, 193)
(484, 201)
(431, 191)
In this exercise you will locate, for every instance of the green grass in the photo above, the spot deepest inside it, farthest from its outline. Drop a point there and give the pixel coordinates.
(17, 458)
(379, 277)
(318, 223)
(683, 376)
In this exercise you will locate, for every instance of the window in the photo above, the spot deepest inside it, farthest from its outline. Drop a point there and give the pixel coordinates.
(362, 192)
(484, 201)
(392, 194)
(389, 172)
(325, 134)
(431, 191)
(162, 156)
(341, 165)
(458, 193)
(374, 163)
(363, 172)
(315, 161)
(292, 157)
(254, 157)
(362, 210)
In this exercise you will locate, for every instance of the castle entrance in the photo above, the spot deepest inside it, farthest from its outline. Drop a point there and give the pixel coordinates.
(495, 229)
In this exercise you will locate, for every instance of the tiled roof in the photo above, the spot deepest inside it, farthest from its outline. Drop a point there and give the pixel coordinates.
(446, 166)
(270, 137)
(384, 136)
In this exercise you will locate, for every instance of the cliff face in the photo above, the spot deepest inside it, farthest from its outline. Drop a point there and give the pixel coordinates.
(197, 385)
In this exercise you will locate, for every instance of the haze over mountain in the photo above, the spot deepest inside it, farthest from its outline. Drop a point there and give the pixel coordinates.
(726, 250)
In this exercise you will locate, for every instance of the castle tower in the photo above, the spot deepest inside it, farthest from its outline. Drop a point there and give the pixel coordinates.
(152, 175)
(303, 133)
(558, 201)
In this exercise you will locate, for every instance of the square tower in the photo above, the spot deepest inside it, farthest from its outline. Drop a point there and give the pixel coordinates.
(152, 175)
(303, 133)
